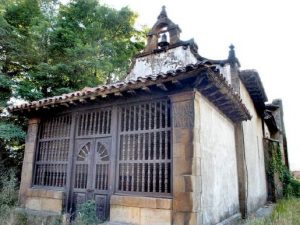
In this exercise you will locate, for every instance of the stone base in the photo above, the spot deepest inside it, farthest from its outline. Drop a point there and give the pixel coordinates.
(140, 210)
(44, 200)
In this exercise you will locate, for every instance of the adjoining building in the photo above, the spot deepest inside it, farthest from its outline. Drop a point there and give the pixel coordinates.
(182, 140)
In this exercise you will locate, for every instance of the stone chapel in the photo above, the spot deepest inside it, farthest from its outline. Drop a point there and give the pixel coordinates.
(181, 140)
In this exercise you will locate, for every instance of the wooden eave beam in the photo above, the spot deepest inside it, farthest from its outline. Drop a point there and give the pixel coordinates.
(146, 89)
(132, 92)
(177, 83)
(118, 94)
(81, 100)
(162, 87)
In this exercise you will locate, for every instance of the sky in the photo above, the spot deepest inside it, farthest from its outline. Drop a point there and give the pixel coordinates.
(265, 34)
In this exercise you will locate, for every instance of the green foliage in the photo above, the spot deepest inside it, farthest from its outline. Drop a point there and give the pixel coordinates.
(9, 132)
(8, 193)
(5, 90)
(86, 214)
(286, 212)
(291, 186)
(48, 48)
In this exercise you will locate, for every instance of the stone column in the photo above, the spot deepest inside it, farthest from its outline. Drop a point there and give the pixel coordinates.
(27, 168)
(239, 138)
(186, 160)
(241, 168)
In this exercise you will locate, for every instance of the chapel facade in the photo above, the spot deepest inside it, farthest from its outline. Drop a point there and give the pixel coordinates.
(181, 140)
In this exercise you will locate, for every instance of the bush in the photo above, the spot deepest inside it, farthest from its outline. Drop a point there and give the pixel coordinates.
(86, 214)
(8, 194)
(291, 186)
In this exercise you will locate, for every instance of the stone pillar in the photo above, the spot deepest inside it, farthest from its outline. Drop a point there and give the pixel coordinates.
(241, 168)
(27, 168)
(186, 160)
(239, 138)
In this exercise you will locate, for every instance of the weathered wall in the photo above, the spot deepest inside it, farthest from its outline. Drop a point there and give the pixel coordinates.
(219, 197)
(28, 161)
(32, 198)
(140, 210)
(254, 155)
(44, 200)
(162, 62)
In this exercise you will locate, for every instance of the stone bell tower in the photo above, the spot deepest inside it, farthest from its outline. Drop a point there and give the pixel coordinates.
(163, 27)
(164, 50)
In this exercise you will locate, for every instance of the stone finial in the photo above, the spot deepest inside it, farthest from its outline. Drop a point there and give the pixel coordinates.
(163, 13)
(231, 55)
(232, 59)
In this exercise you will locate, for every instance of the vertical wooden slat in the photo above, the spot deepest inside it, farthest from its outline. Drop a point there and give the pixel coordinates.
(143, 164)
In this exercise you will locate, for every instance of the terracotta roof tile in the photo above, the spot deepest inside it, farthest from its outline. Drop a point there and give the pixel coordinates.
(236, 108)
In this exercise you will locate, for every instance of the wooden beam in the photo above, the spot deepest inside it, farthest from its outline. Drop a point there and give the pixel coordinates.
(64, 104)
(132, 92)
(162, 87)
(200, 78)
(177, 83)
(146, 89)
(82, 100)
(204, 88)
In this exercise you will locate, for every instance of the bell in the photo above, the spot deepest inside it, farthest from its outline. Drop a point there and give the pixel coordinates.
(163, 42)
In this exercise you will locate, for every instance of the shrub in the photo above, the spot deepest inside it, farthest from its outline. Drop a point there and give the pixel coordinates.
(86, 214)
(8, 194)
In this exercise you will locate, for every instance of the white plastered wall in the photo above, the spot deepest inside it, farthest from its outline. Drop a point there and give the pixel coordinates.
(162, 62)
(254, 155)
(219, 197)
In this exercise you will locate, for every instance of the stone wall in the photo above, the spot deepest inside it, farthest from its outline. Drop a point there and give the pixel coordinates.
(140, 210)
(28, 161)
(219, 179)
(31, 198)
(44, 200)
(186, 159)
(254, 156)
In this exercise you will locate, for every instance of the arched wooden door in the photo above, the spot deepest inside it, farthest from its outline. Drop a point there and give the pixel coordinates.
(91, 179)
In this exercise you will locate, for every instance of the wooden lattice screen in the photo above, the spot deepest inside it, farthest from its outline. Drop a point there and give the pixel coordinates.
(144, 158)
(52, 152)
(93, 124)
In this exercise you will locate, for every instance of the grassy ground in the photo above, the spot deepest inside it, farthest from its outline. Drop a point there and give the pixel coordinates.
(286, 212)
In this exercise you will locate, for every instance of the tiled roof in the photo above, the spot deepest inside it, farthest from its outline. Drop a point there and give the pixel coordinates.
(207, 80)
(254, 86)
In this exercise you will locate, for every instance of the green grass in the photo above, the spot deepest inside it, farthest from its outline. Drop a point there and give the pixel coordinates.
(286, 212)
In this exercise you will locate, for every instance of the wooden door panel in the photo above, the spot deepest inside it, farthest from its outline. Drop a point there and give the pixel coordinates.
(102, 206)
(91, 178)
(78, 199)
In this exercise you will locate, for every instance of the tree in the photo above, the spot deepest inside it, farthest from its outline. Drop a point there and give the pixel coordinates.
(47, 48)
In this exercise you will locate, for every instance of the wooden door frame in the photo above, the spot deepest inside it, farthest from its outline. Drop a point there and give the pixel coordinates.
(73, 153)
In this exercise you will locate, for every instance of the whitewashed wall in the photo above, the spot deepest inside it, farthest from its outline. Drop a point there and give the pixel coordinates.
(162, 62)
(219, 197)
(253, 139)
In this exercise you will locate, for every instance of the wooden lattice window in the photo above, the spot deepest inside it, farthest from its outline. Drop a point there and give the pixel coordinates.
(52, 152)
(94, 123)
(144, 157)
